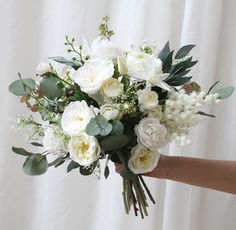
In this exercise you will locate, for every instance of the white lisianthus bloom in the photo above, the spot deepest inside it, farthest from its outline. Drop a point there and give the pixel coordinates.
(91, 76)
(156, 112)
(84, 149)
(122, 65)
(151, 133)
(143, 160)
(75, 117)
(147, 99)
(54, 141)
(146, 67)
(43, 68)
(103, 48)
(111, 111)
(112, 88)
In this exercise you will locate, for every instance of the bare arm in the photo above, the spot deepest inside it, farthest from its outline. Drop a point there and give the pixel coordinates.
(214, 174)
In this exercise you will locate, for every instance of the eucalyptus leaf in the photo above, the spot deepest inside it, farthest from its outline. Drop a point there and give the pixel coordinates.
(105, 126)
(64, 61)
(35, 164)
(22, 87)
(225, 92)
(36, 144)
(56, 161)
(21, 151)
(117, 127)
(72, 165)
(183, 51)
(93, 128)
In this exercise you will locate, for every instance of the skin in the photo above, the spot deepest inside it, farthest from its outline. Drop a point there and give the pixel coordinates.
(214, 174)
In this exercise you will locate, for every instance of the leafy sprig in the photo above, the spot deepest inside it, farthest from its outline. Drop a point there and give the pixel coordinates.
(103, 28)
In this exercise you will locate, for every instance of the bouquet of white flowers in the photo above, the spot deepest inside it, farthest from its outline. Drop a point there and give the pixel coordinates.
(112, 104)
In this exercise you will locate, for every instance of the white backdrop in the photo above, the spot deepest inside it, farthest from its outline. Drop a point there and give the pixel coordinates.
(33, 30)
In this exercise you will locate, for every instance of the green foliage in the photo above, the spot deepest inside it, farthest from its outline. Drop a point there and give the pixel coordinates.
(106, 172)
(117, 127)
(205, 114)
(36, 144)
(164, 53)
(86, 171)
(225, 92)
(58, 161)
(127, 174)
(183, 51)
(51, 87)
(177, 81)
(168, 62)
(21, 151)
(64, 61)
(103, 28)
(72, 165)
(114, 142)
(35, 164)
(22, 87)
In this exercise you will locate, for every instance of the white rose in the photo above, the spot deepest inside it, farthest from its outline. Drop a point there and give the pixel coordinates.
(112, 88)
(43, 68)
(103, 48)
(146, 67)
(143, 160)
(122, 65)
(111, 111)
(91, 76)
(156, 112)
(54, 141)
(147, 99)
(151, 133)
(84, 149)
(75, 117)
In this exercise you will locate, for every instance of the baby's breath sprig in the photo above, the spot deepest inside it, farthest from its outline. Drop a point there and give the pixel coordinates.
(103, 28)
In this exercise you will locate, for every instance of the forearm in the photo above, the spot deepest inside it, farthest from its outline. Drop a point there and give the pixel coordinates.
(214, 174)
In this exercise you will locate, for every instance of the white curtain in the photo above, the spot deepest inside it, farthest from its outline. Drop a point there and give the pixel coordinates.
(33, 30)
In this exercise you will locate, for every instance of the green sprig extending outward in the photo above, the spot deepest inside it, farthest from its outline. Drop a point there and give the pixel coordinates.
(103, 28)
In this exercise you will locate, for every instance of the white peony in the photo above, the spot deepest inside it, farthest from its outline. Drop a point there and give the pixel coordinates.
(111, 111)
(91, 76)
(54, 140)
(84, 149)
(151, 133)
(75, 117)
(143, 160)
(103, 48)
(146, 67)
(147, 99)
(43, 68)
(112, 88)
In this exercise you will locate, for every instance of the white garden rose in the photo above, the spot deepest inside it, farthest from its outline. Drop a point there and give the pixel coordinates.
(111, 111)
(84, 149)
(54, 140)
(151, 133)
(122, 65)
(147, 99)
(43, 68)
(143, 160)
(156, 112)
(75, 117)
(91, 76)
(112, 88)
(146, 67)
(103, 48)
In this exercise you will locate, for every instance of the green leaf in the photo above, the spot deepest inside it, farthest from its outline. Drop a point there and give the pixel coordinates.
(168, 62)
(106, 172)
(178, 81)
(36, 144)
(86, 171)
(93, 128)
(35, 164)
(183, 51)
(72, 165)
(56, 162)
(105, 126)
(225, 92)
(22, 87)
(128, 175)
(164, 52)
(205, 114)
(114, 142)
(64, 61)
(117, 127)
(51, 88)
(21, 151)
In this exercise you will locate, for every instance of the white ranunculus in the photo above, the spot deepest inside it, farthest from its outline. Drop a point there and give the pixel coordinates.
(111, 111)
(103, 48)
(156, 112)
(84, 149)
(54, 141)
(112, 88)
(151, 133)
(146, 67)
(75, 117)
(43, 68)
(122, 65)
(143, 160)
(91, 76)
(147, 99)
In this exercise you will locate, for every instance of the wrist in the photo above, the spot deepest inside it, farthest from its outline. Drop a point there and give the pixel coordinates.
(162, 169)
